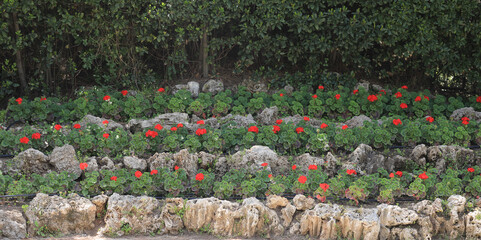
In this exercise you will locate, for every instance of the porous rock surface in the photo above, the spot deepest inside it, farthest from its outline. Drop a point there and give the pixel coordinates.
(12, 224)
(167, 120)
(64, 159)
(253, 158)
(90, 119)
(28, 162)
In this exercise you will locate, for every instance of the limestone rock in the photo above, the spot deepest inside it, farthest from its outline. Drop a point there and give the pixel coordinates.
(167, 120)
(74, 214)
(90, 119)
(305, 160)
(92, 165)
(303, 203)
(213, 86)
(440, 155)
(237, 121)
(473, 224)
(321, 221)
(161, 160)
(12, 224)
(106, 163)
(142, 214)
(252, 159)
(224, 218)
(419, 154)
(404, 233)
(360, 223)
(187, 161)
(30, 161)
(391, 216)
(206, 159)
(172, 221)
(100, 201)
(287, 214)
(456, 226)
(192, 87)
(268, 116)
(274, 201)
(289, 89)
(430, 209)
(295, 229)
(64, 159)
(466, 112)
(357, 121)
(135, 163)
(200, 213)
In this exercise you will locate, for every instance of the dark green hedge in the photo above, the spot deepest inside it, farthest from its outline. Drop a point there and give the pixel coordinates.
(130, 43)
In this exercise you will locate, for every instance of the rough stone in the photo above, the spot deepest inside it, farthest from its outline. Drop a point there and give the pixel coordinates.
(440, 155)
(192, 87)
(321, 221)
(295, 229)
(167, 120)
(74, 214)
(305, 160)
(419, 154)
(200, 213)
(466, 112)
(29, 161)
(161, 160)
(391, 216)
(92, 165)
(224, 218)
(187, 161)
(106, 163)
(430, 209)
(473, 224)
(289, 89)
(142, 214)
(303, 203)
(357, 223)
(172, 221)
(357, 121)
(274, 201)
(287, 214)
(252, 159)
(64, 159)
(239, 121)
(135, 163)
(456, 225)
(205, 159)
(268, 116)
(213, 86)
(12, 224)
(404, 233)
(100, 201)
(90, 119)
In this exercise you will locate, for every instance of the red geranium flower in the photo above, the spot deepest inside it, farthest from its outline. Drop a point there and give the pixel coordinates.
(105, 122)
(176, 168)
(276, 129)
(404, 87)
(19, 100)
(313, 167)
(423, 176)
(302, 179)
(158, 127)
(161, 90)
(173, 129)
(337, 96)
(153, 172)
(398, 95)
(24, 140)
(180, 125)
(351, 171)
(426, 97)
(253, 129)
(403, 105)
(306, 119)
(391, 175)
(151, 134)
(282, 95)
(199, 177)
(465, 119)
(124, 92)
(399, 173)
(278, 121)
(106, 98)
(344, 127)
(397, 121)
(200, 122)
(372, 98)
(114, 178)
(294, 167)
(57, 127)
(299, 130)
(200, 131)
(138, 174)
(43, 99)
(264, 164)
(417, 99)
(83, 166)
(470, 169)
(323, 125)
(382, 91)
(36, 136)
(324, 186)
(269, 176)
(321, 87)
(77, 126)
(478, 99)
(465, 122)
(106, 135)
(430, 119)
(355, 91)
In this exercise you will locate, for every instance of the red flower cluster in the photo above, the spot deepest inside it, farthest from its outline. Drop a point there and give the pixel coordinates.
(372, 98)
(312, 167)
(124, 92)
(43, 99)
(344, 127)
(106, 135)
(180, 125)
(19, 100)
(269, 176)
(302, 179)
(404, 87)
(57, 127)
(351, 171)
(399, 173)
(398, 95)
(105, 122)
(114, 178)
(294, 167)
(253, 129)
(36, 136)
(199, 177)
(314, 96)
(83, 166)
(397, 121)
(324, 186)
(176, 168)
(323, 125)
(471, 170)
(423, 176)
(430, 119)
(264, 164)
(138, 174)
(106, 98)
(426, 97)
(307, 119)
(382, 91)
(200, 122)
(77, 126)
(161, 90)
(153, 172)
(355, 91)
(465, 120)
(158, 127)
(417, 99)
(173, 129)
(282, 94)
(299, 130)
(321, 87)
(276, 129)
(200, 131)
(24, 140)
(278, 121)
(478, 99)
(337, 96)
(403, 105)
(391, 175)
(151, 134)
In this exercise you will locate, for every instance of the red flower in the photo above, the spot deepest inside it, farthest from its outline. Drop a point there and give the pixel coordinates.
(105, 122)
(173, 129)
(138, 174)
(161, 90)
(158, 127)
(253, 129)
(426, 97)
(124, 92)
(19, 100)
(199, 177)
(391, 175)
(151, 134)
(312, 167)
(302, 179)
(306, 119)
(276, 129)
(106, 135)
(404, 87)
(314, 96)
(153, 172)
(423, 176)
(382, 91)
(200, 122)
(200, 131)
(337, 96)
(355, 91)
(351, 171)
(114, 178)
(430, 119)
(478, 99)
(344, 127)
(264, 164)
(282, 95)
(470, 169)
(57, 127)
(324, 186)
(465, 119)
(36, 136)
(323, 125)
(299, 130)
(465, 122)
(83, 166)
(106, 98)
(403, 105)
(398, 95)
(397, 121)
(278, 121)
(24, 140)
(372, 98)
(417, 99)
(77, 126)
(43, 99)
(176, 168)
(321, 87)
(180, 125)
(399, 173)
(294, 167)
(269, 176)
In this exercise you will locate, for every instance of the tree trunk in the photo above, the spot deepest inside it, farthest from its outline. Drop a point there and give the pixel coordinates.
(18, 57)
